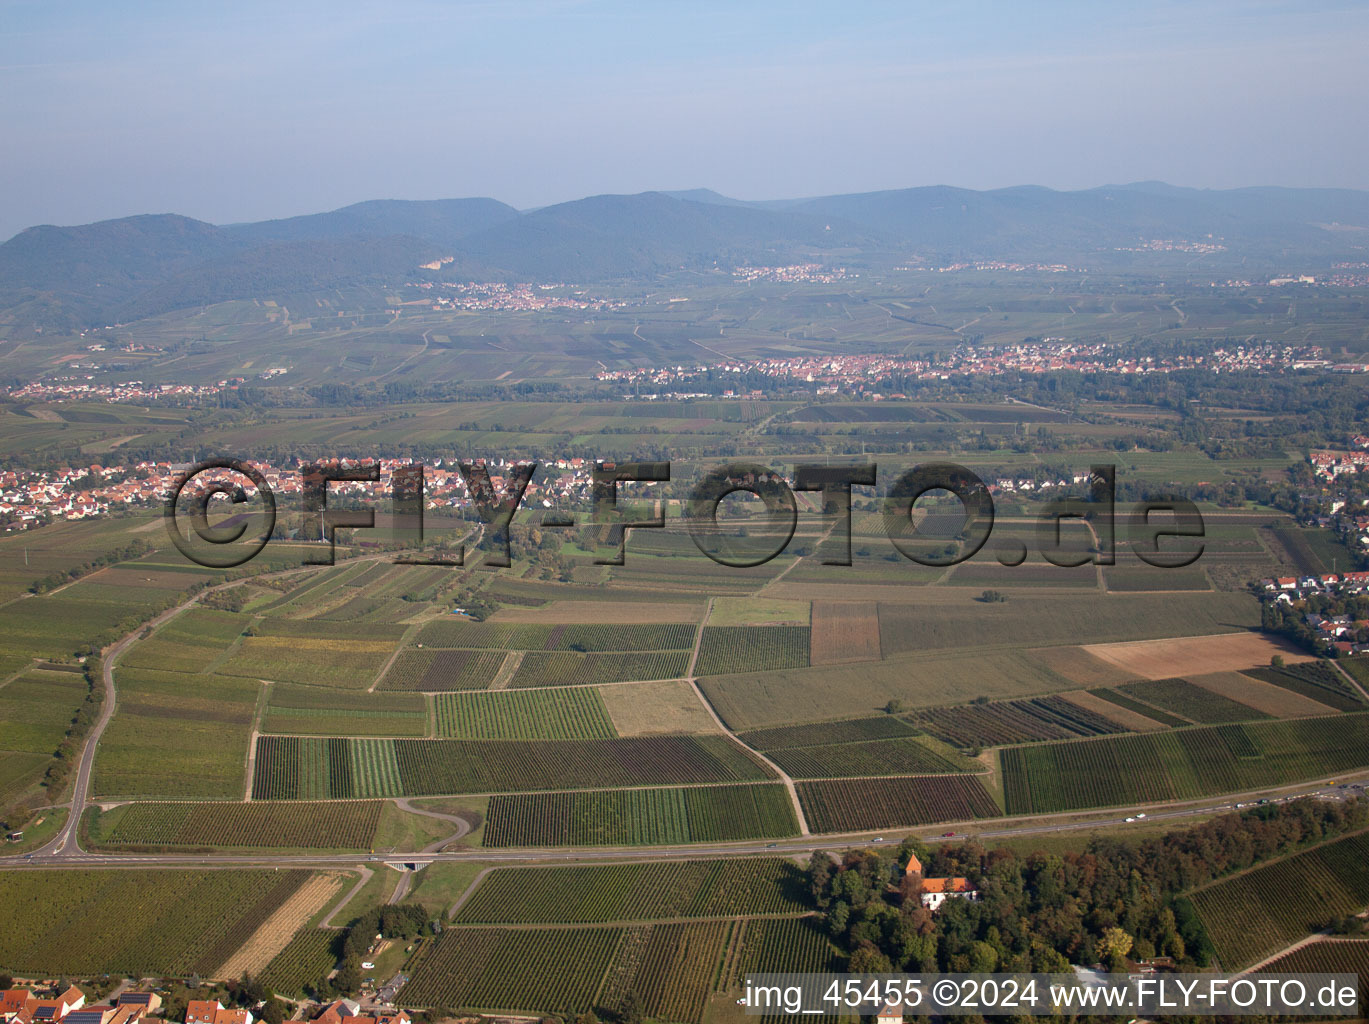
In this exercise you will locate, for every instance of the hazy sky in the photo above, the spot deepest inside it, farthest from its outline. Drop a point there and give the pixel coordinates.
(245, 110)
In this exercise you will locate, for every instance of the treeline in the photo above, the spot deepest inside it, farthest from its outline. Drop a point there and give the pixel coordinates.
(1043, 912)
(134, 549)
(68, 752)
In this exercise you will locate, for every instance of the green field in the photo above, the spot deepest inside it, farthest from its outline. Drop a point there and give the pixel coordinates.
(349, 825)
(641, 817)
(176, 736)
(848, 805)
(295, 768)
(309, 957)
(570, 668)
(635, 892)
(563, 714)
(91, 922)
(1180, 765)
(541, 971)
(727, 649)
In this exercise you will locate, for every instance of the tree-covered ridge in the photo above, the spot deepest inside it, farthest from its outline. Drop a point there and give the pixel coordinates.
(1044, 911)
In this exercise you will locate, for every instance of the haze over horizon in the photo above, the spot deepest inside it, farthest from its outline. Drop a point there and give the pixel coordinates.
(259, 113)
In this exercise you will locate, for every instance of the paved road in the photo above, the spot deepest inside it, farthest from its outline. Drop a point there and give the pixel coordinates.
(999, 829)
(67, 842)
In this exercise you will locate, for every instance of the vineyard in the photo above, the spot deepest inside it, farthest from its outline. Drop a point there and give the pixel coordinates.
(849, 731)
(574, 714)
(641, 817)
(510, 637)
(1116, 696)
(571, 668)
(673, 968)
(1318, 680)
(316, 660)
(636, 892)
(1012, 721)
(901, 756)
(1182, 765)
(783, 944)
(1259, 912)
(851, 805)
(350, 826)
(166, 922)
(727, 649)
(529, 970)
(308, 768)
(1192, 702)
(437, 670)
(1331, 956)
(309, 957)
(677, 969)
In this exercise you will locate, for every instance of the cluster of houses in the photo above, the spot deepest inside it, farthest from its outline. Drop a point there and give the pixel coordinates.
(1327, 465)
(1340, 633)
(21, 1006)
(30, 498)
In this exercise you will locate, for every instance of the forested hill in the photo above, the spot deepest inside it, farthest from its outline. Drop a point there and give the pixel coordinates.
(139, 266)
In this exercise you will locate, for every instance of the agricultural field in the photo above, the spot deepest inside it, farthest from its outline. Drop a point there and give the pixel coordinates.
(559, 714)
(319, 661)
(1196, 655)
(938, 618)
(176, 736)
(311, 955)
(902, 755)
(726, 649)
(1181, 765)
(37, 708)
(571, 668)
(314, 711)
(349, 825)
(1260, 911)
(996, 723)
(665, 706)
(763, 700)
(844, 631)
(1316, 680)
(850, 805)
(559, 637)
(436, 670)
(1327, 956)
(642, 891)
(90, 922)
(500, 969)
(306, 768)
(641, 817)
(1194, 703)
(1149, 712)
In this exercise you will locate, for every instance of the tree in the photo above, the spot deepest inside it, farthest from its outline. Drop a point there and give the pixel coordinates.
(273, 1012)
(631, 1012)
(867, 959)
(348, 978)
(993, 597)
(895, 707)
(1276, 661)
(1114, 946)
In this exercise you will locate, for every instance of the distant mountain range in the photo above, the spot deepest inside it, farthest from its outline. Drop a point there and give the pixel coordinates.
(140, 266)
